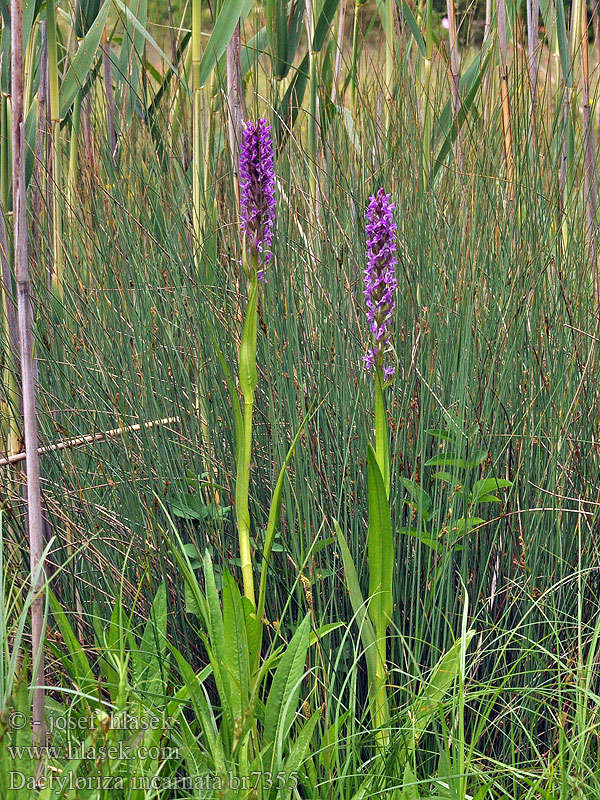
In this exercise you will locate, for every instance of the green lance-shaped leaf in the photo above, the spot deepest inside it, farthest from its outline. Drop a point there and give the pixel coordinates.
(221, 35)
(380, 545)
(378, 700)
(291, 102)
(287, 111)
(86, 12)
(82, 61)
(281, 703)
(298, 751)
(413, 26)
(433, 691)
(323, 26)
(367, 632)
(142, 30)
(236, 644)
(471, 82)
(284, 31)
(248, 375)
(381, 435)
(194, 684)
(151, 654)
(563, 44)
(76, 662)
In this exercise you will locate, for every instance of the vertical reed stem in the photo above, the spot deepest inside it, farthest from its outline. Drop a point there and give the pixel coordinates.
(590, 179)
(505, 100)
(110, 98)
(196, 125)
(455, 80)
(235, 100)
(34, 499)
(12, 362)
(533, 15)
(57, 249)
(427, 125)
(390, 33)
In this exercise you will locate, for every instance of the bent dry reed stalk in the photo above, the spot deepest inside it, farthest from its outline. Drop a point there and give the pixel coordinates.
(257, 199)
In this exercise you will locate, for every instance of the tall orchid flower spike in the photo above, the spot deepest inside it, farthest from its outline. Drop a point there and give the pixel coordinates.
(380, 295)
(257, 215)
(380, 280)
(257, 190)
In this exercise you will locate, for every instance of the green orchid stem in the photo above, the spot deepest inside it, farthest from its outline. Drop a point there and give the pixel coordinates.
(243, 511)
(381, 707)
(248, 381)
(380, 701)
(381, 433)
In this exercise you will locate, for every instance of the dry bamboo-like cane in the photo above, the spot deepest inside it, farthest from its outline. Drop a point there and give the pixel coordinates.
(78, 441)
(12, 367)
(9, 308)
(34, 498)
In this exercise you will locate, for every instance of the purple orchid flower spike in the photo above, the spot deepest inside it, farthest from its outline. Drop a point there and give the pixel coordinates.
(257, 190)
(380, 279)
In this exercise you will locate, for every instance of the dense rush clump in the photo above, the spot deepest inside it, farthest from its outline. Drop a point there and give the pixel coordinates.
(257, 188)
(380, 278)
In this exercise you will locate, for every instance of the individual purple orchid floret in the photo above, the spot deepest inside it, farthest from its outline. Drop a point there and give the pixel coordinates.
(380, 279)
(257, 189)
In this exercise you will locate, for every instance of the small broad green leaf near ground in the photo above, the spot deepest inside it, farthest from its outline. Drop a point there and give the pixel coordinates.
(410, 790)
(424, 537)
(447, 461)
(483, 490)
(464, 525)
(421, 500)
(442, 475)
(76, 661)
(153, 645)
(441, 433)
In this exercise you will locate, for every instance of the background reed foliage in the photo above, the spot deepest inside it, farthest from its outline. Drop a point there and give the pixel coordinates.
(496, 339)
